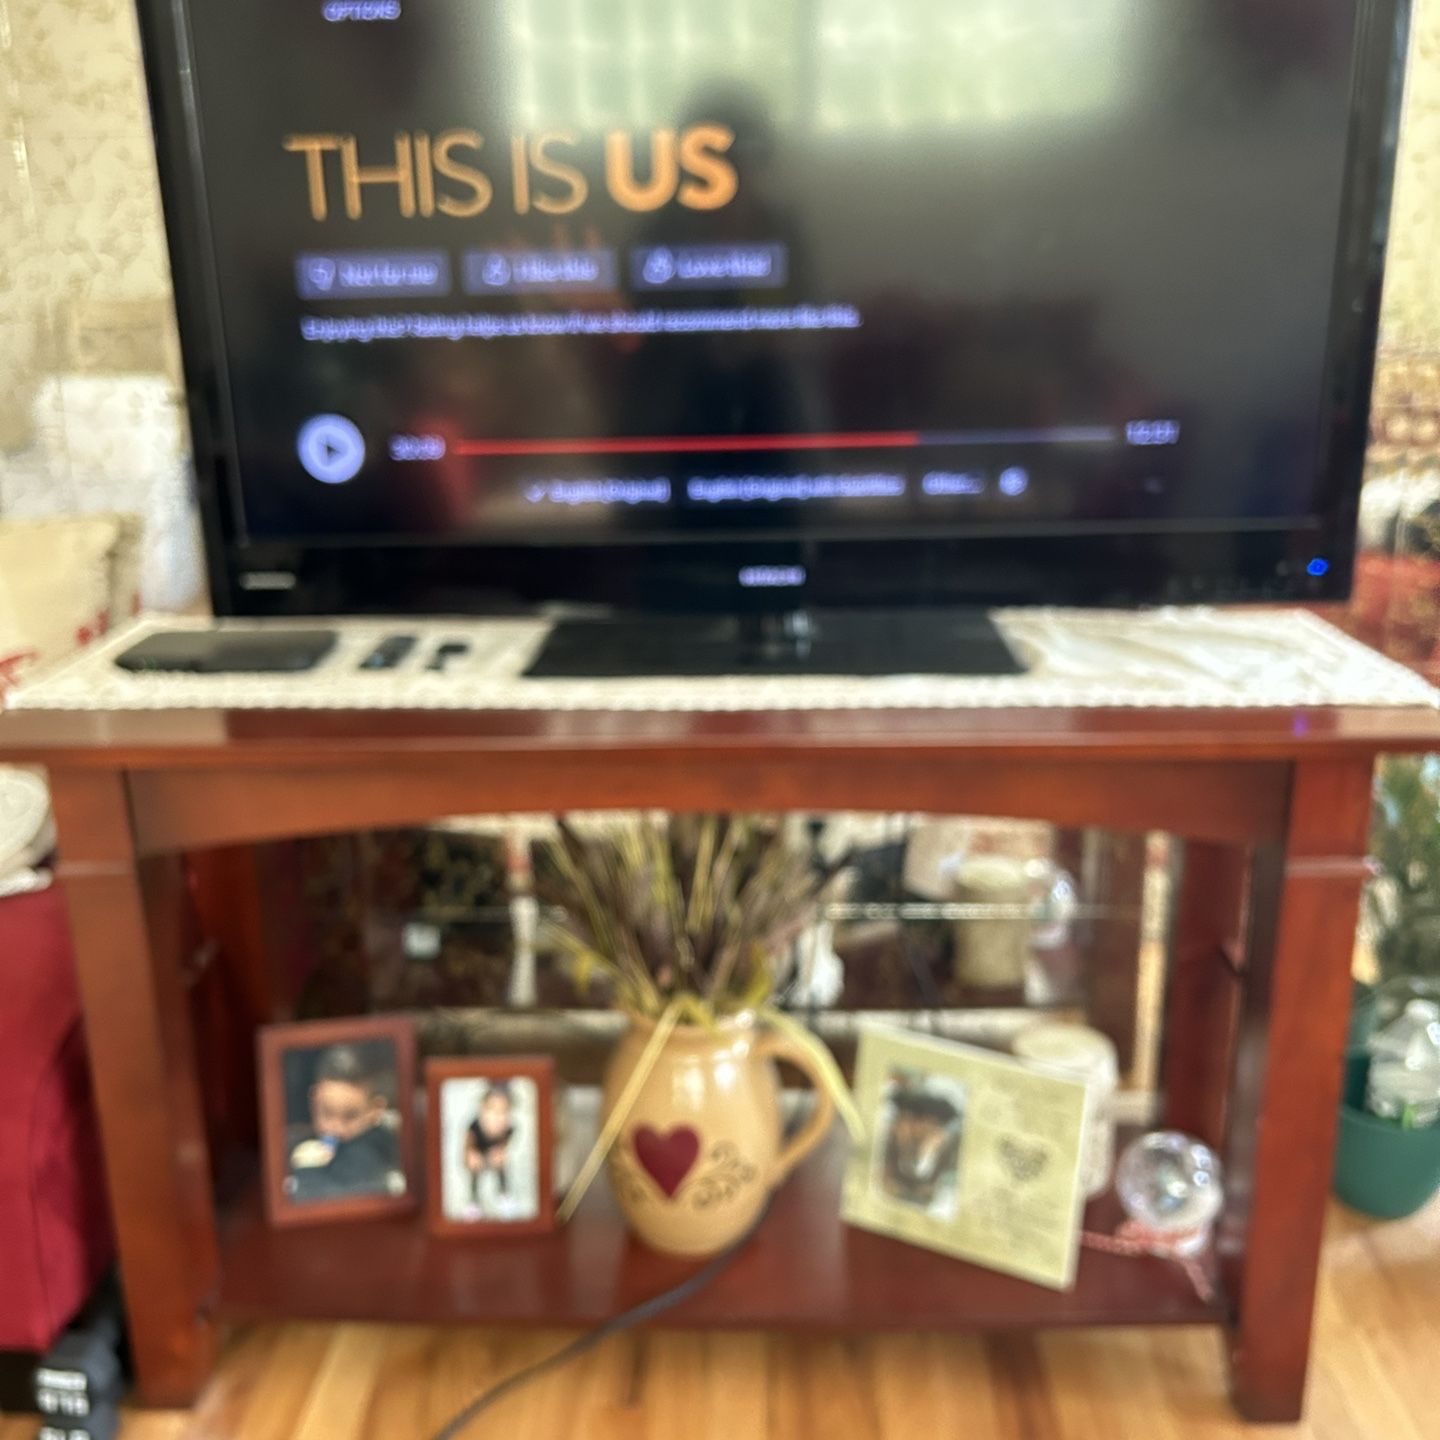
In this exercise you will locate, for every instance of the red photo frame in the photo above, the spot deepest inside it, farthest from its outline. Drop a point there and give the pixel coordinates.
(462, 1199)
(369, 1062)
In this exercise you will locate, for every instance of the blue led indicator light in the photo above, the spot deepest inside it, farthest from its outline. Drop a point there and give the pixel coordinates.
(1318, 567)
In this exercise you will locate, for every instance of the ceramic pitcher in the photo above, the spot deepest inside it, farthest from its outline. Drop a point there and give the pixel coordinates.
(703, 1146)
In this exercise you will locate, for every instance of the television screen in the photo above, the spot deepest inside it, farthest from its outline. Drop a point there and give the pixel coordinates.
(546, 275)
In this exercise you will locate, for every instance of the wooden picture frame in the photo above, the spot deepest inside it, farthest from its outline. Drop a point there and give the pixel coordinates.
(366, 1040)
(445, 1146)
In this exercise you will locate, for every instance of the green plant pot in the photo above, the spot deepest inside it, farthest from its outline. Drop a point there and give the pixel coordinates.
(1380, 1169)
(1362, 1016)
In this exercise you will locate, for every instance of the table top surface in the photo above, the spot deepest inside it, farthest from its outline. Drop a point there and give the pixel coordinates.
(1184, 684)
(163, 739)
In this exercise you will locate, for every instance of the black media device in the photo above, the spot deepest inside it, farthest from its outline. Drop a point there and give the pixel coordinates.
(229, 652)
(774, 311)
(78, 1383)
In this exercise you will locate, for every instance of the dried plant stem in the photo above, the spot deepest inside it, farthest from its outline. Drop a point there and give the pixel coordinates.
(693, 909)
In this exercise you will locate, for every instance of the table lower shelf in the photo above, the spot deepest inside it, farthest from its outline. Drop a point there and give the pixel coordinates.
(804, 1270)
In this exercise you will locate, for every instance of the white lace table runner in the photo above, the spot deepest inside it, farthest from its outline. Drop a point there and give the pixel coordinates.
(1159, 658)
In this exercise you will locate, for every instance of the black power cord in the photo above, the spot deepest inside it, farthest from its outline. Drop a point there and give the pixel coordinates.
(687, 1289)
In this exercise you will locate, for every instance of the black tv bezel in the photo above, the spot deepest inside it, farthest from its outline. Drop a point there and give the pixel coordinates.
(1080, 564)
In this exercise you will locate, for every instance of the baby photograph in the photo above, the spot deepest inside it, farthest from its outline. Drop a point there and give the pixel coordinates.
(337, 1118)
(921, 1132)
(490, 1127)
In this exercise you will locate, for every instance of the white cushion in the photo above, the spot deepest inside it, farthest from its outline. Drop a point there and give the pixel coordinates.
(56, 589)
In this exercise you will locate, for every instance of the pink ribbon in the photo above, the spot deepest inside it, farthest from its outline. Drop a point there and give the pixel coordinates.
(1133, 1238)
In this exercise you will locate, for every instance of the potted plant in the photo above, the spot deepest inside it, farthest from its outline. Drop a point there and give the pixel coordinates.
(687, 920)
(1380, 1168)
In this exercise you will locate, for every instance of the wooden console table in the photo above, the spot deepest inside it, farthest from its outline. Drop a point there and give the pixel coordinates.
(1273, 806)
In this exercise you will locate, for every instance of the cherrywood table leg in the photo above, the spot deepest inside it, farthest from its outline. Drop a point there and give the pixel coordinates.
(1203, 992)
(128, 919)
(1287, 1081)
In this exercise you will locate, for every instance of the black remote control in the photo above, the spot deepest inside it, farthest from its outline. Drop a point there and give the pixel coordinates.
(446, 652)
(388, 653)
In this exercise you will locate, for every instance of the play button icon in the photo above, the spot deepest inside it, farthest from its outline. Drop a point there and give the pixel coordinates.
(331, 448)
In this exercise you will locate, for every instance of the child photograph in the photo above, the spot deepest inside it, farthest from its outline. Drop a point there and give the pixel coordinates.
(338, 1126)
(917, 1158)
(489, 1144)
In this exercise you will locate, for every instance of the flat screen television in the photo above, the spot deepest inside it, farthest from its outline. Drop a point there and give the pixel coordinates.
(727, 306)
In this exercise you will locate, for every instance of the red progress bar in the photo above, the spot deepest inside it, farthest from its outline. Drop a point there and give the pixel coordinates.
(682, 444)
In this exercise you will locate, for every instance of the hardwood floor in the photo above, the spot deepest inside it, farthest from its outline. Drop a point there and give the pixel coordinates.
(1373, 1376)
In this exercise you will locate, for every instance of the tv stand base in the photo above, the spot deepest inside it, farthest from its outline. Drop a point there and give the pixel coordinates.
(799, 642)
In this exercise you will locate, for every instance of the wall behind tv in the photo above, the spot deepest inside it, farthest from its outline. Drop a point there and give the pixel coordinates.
(89, 377)
(1406, 426)
(90, 413)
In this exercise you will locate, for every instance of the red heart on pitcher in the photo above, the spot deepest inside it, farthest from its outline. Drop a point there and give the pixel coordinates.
(667, 1159)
